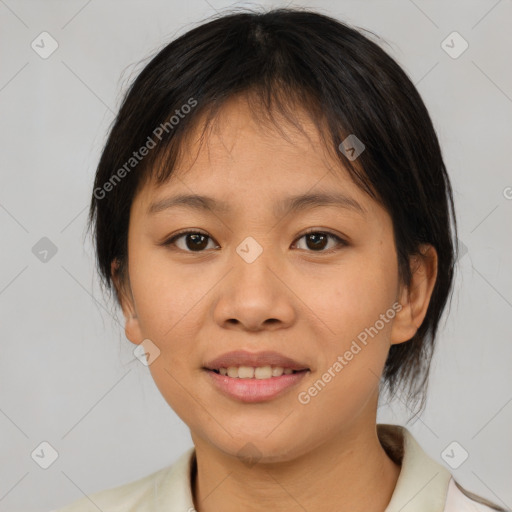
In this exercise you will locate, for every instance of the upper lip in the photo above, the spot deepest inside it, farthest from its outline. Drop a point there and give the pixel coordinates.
(255, 359)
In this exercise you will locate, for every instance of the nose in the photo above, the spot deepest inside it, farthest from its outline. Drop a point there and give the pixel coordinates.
(254, 295)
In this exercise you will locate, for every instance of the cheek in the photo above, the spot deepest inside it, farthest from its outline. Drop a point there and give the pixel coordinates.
(164, 297)
(356, 294)
(356, 305)
(353, 358)
(169, 304)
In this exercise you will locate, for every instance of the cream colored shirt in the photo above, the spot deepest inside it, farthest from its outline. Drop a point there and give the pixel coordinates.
(423, 485)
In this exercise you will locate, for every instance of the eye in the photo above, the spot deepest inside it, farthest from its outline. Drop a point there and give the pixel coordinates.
(317, 240)
(195, 241)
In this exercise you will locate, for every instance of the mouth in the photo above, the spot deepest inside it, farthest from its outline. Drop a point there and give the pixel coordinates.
(254, 376)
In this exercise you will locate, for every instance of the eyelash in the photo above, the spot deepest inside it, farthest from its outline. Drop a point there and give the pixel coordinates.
(341, 242)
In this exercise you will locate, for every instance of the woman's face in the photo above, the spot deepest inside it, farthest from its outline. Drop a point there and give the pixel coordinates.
(257, 283)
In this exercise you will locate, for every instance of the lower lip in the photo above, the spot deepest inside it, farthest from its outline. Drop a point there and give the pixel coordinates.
(255, 390)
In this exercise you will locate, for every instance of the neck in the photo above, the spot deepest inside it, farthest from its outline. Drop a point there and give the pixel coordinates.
(352, 473)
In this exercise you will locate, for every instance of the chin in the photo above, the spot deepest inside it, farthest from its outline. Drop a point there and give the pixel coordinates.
(261, 448)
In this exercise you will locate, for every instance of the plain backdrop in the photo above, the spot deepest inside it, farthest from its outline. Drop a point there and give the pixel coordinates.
(68, 376)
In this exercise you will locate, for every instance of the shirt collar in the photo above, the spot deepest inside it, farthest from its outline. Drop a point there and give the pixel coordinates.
(421, 487)
(423, 483)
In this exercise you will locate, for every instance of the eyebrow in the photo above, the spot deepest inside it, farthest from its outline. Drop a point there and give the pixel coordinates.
(285, 206)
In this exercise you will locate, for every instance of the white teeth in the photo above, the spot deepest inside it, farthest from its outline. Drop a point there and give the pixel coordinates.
(263, 372)
(260, 372)
(245, 372)
(232, 371)
(277, 371)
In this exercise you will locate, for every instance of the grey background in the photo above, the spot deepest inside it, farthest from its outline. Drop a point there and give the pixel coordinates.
(68, 375)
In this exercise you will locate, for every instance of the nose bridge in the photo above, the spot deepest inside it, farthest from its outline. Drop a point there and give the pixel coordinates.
(252, 260)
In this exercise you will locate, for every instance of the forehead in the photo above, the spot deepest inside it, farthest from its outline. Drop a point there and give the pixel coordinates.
(244, 133)
(246, 159)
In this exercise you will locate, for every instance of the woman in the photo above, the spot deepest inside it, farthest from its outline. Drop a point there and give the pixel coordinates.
(274, 214)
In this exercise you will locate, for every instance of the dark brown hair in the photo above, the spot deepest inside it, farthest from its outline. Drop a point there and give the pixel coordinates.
(283, 59)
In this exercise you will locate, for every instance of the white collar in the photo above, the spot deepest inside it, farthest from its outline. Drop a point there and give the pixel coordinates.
(421, 487)
(423, 483)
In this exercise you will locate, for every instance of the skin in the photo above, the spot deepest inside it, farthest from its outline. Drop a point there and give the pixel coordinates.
(306, 303)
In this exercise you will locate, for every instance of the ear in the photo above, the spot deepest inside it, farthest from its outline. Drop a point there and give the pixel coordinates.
(415, 298)
(124, 294)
